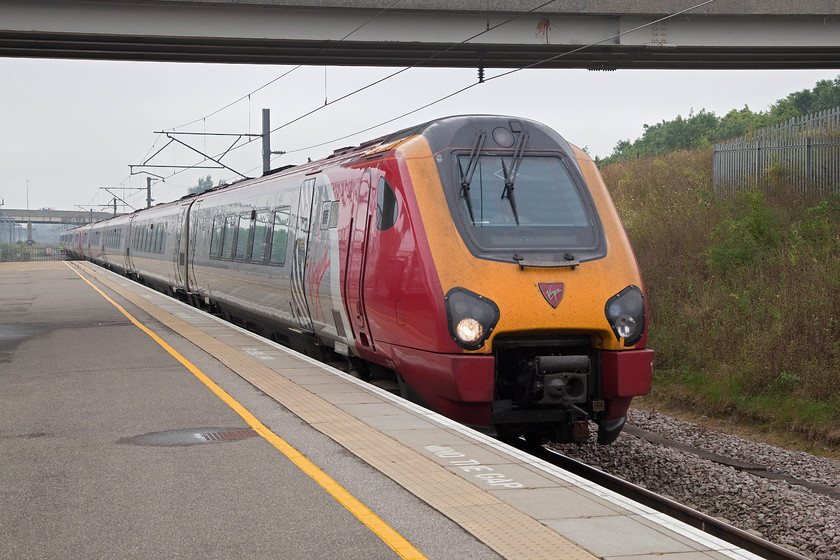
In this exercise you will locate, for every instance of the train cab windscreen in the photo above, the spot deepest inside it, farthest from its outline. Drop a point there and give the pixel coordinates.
(531, 203)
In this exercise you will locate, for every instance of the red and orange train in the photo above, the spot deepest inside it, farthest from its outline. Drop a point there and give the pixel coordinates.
(478, 260)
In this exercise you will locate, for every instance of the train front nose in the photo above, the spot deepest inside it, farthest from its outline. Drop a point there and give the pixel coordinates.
(546, 384)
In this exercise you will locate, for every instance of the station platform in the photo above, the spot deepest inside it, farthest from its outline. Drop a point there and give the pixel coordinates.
(134, 426)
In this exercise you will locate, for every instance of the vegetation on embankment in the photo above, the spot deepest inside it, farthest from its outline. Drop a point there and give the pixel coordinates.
(703, 129)
(744, 295)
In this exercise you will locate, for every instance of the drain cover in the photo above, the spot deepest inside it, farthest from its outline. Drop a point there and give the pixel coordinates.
(190, 436)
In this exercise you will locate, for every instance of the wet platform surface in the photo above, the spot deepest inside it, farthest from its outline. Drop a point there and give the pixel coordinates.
(172, 434)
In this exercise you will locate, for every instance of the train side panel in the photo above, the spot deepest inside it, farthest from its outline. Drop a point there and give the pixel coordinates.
(222, 277)
(94, 242)
(115, 242)
(335, 206)
(267, 255)
(403, 295)
(153, 241)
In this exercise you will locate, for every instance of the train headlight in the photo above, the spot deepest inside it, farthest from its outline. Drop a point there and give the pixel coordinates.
(626, 313)
(471, 317)
(469, 330)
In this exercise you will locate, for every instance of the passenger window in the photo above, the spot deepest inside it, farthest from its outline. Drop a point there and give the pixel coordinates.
(161, 239)
(334, 214)
(261, 229)
(230, 231)
(325, 214)
(386, 206)
(279, 237)
(216, 237)
(243, 237)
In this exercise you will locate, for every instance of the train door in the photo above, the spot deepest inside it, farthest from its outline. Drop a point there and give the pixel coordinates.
(300, 307)
(182, 242)
(356, 253)
(122, 257)
(198, 221)
(130, 243)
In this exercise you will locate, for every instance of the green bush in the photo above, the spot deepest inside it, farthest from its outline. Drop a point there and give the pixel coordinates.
(744, 292)
(750, 234)
(704, 128)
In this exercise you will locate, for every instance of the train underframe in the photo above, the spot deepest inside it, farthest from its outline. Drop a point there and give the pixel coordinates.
(545, 387)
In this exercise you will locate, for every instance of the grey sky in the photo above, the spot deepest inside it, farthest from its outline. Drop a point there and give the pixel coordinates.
(71, 127)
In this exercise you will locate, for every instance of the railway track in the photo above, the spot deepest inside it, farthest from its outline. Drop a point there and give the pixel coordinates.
(706, 523)
(760, 471)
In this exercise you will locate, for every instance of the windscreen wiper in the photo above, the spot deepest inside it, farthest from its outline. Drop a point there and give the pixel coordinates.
(466, 176)
(510, 176)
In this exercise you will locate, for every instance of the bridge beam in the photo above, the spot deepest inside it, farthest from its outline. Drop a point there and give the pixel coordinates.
(52, 216)
(725, 34)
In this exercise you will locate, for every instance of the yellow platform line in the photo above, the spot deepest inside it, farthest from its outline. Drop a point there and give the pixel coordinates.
(372, 521)
(502, 527)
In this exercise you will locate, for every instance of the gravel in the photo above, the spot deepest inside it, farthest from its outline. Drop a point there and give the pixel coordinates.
(787, 514)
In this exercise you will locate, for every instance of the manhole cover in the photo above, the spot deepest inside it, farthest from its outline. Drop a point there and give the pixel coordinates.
(191, 436)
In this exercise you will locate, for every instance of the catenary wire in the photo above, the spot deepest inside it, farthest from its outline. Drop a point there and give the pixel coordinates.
(394, 74)
(504, 74)
(372, 84)
(418, 63)
(246, 96)
(470, 86)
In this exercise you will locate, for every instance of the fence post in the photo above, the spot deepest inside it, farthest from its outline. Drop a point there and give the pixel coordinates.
(809, 162)
(807, 147)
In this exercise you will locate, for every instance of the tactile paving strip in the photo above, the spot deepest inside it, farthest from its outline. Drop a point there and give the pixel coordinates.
(500, 526)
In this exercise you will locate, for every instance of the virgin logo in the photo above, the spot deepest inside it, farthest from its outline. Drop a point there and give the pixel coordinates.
(552, 292)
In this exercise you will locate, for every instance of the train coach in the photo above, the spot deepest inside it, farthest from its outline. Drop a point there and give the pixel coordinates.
(476, 260)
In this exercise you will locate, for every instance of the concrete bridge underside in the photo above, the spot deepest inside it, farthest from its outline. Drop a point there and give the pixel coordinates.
(594, 34)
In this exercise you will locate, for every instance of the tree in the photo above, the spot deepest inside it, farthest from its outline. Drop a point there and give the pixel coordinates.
(204, 184)
(706, 128)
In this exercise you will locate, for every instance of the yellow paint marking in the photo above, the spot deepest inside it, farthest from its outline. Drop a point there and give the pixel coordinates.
(372, 521)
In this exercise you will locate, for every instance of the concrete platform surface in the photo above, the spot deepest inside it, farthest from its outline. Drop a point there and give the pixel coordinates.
(163, 432)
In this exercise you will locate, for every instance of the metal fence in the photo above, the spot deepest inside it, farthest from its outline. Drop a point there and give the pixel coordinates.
(21, 252)
(802, 153)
